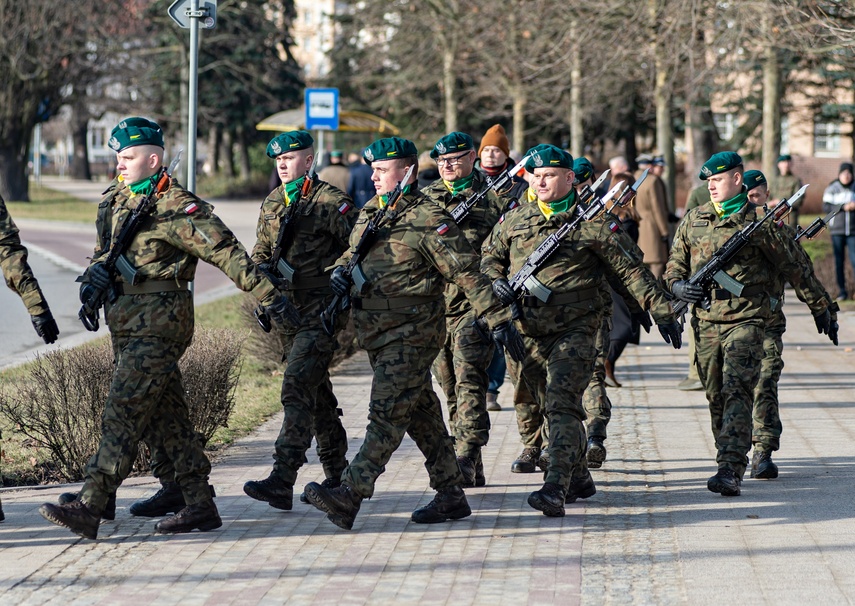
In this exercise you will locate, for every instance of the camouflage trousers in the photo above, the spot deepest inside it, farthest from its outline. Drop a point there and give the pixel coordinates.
(556, 370)
(531, 423)
(310, 406)
(146, 396)
(403, 401)
(596, 401)
(767, 427)
(728, 359)
(461, 371)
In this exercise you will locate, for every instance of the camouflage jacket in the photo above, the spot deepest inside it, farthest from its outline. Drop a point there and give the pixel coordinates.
(476, 226)
(579, 266)
(418, 248)
(321, 236)
(16, 271)
(182, 230)
(757, 266)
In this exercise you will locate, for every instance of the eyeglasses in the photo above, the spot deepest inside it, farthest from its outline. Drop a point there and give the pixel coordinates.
(451, 161)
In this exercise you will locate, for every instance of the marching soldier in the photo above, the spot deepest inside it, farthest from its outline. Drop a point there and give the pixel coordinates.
(461, 367)
(150, 315)
(560, 334)
(784, 185)
(399, 315)
(19, 277)
(319, 221)
(729, 335)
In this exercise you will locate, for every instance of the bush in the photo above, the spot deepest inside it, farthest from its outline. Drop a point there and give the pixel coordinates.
(57, 405)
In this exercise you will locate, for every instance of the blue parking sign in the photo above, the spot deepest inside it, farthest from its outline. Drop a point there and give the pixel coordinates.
(321, 109)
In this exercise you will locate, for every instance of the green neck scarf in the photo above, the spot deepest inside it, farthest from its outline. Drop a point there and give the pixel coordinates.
(142, 188)
(292, 189)
(728, 207)
(384, 198)
(558, 206)
(455, 187)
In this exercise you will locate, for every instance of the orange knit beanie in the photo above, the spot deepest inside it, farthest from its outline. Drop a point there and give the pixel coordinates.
(495, 135)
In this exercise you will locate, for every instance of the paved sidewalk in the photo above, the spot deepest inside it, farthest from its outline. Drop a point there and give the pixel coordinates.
(652, 534)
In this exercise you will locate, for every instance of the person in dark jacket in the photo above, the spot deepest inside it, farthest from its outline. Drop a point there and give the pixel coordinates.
(840, 194)
(360, 188)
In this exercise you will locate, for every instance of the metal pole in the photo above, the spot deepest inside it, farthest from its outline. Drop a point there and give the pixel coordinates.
(37, 153)
(191, 97)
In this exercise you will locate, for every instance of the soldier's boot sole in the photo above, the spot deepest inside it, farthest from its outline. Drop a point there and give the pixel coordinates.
(541, 503)
(202, 516)
(596, 456)
(258, 495)
(336, 516)
(56, 514)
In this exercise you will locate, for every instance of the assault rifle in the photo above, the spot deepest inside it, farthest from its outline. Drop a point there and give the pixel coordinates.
(459, 212)
(818, 224)
(116, 261)
(713, 271)
(366, 241)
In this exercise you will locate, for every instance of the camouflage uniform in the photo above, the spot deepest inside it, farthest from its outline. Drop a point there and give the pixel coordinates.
(560, 336)
(400, 321)
(782, 187)
(729, 336)
(310, 406)
(461, 367)
(151, 325)
(16, 271)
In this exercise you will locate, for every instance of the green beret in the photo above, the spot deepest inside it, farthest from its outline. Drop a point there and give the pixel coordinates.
(451, 143)
(390, 148)
(132, 132)
(583, 168)
(785, 158)
(545, 155)
(720, 163)
(294, 140)
(753, 178)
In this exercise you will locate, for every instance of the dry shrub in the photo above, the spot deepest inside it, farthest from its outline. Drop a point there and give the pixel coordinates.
(58, 403)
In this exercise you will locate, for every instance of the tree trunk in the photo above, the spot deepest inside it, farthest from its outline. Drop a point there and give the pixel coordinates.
(243, 154)
(79, 124)
(14, 184)
(449, 84)
(771, 99)
(577, 135)
(662, 100)
(519, 119)
(214, 137)
(701, 139)
(226, 155)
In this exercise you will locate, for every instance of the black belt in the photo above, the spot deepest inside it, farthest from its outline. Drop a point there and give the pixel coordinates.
(152, 286)
(310, 283)
(721, 294)
(564, 298)
(379, 304)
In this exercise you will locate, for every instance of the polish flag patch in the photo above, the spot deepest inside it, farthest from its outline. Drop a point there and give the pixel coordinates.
(513, 205)
(442, 229)
(191, 208)
(344, 208)
(614, 227)
(502, 219)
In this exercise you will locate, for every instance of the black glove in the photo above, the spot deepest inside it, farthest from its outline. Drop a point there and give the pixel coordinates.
(689, 293)
(99, 277)
(282, 311)
(87, 291)
(340, 282)
(46, 326)
(642, 318)
(672, 332)
(826, 324)
(268, 272)
(507, 336)
(503, 291)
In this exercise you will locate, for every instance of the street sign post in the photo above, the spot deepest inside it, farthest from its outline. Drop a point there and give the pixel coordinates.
(322, 109)
(190, 14)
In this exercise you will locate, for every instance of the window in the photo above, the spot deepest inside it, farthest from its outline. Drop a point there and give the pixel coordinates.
(826, 139)
(725, 124)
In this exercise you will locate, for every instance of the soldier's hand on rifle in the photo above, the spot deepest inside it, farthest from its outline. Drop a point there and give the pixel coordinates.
(340, 282)
(99, 276)
(827, 324)
(46, 326)
(282, 311)
(685, 291)
(672, 332)
(507, 336)
(643, 320)
(502, 289)
(267, 270)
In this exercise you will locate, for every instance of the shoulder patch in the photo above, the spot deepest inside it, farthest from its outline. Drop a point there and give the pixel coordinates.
(700, 223)
(613, 227)
(191, 208)
(502, 218)
(442, 229)
(513, 204)
(346, 206)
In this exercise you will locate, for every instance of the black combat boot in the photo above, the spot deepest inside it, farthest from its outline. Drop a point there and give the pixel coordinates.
(596, 454)
(169, 499)
(580, 488)
(341, 504)
(328, 483)
(109, 513)
(527, 461)
(467, 467)
(549, 500)
(725, 482)
(543, 462)
(272, 490)
(762, 467)
(480, 478)
(75, 516)
(448, 504)
(203, 516)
